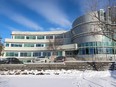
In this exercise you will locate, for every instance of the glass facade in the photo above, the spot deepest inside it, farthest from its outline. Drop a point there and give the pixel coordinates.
(49, 37)
(16, 45)
(25, 45)
(39, 54)
(40, 37)
(36, 37)
(36, 54)
(96, 48)
(28, 45)
(25, 54)
(30, 37)
(19, 37)
(7, 44)
(58, 36)
(28, 54)
(98, 44)
(12, 54)
(59, 53)
(39, 45)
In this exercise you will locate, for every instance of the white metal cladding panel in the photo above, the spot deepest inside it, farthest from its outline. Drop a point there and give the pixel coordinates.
(38, 33)
(96, 38)
(86, 18)
(66, 40)
(26, 40)
(65, 47)
(24, 48)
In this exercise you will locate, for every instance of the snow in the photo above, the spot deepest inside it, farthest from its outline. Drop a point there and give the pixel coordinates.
(57, 78)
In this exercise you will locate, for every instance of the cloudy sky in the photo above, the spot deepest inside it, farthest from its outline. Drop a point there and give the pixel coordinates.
(37, 15)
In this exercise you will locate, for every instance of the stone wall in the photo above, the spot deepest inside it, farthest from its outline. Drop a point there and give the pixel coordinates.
(54, 66)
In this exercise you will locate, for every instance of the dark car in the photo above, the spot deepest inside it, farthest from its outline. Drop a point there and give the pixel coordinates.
(13, 61)
(60, 59)
(2, 61)
(41, 57)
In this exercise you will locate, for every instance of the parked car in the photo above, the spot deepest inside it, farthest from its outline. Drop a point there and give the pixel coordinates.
(2, 61)
(13, 61)
(60, 59)
(41, 57)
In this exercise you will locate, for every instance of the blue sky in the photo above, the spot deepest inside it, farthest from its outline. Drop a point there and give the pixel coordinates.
(37, 15)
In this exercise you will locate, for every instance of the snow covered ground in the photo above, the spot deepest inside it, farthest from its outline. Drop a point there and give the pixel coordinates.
(58, 78)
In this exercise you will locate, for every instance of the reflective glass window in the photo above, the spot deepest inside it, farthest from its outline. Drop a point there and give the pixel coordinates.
(19, 37)
(25, 54)
(28, 45)
(40, 37)
(12, 54)
(39, 45)
(7, 44)
(30, 37)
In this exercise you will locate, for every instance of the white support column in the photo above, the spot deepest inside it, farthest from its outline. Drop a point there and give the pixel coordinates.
(63, 53)
(34, 45)
(9, 44)
(4, 54)
(23, 45)
(41, 53)
(24, 37)
(44, 37)
(36, 37)
(18, 54)
(31, 54)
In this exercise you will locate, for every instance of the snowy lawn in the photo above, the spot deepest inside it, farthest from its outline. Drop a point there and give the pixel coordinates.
(57, 78)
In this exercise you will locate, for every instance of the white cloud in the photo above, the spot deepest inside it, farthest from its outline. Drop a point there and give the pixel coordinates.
(12, 28)
(20, 19)
(26, 22)
(50, 11)
(57, 29)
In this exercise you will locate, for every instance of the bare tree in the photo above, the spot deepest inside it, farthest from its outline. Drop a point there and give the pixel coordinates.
(1, 48)
(107, 24)
(55, 45)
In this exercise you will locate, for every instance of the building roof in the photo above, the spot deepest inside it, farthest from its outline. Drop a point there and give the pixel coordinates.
(37, 33)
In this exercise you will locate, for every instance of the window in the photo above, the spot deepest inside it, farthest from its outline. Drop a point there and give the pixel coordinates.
(80, 51)
(109, 51)
(39, 54)
(40, 37)
(91, 50)
(25, 54)
(87, 50)
(7, 44)
(30, 37)
(83, 51)
(100, 50)
(29, 45)
(79, 45)
(16, 45)
(99, 44)
(19, 37)
(12, 54)
(36, 54)
(48, 53)
(39, 45)
(87, 44)
(101, 13)
(58, 36)
(59, 53)
(49, 37)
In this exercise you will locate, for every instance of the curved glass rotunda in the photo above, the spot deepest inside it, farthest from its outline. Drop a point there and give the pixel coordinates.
(93, 44)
